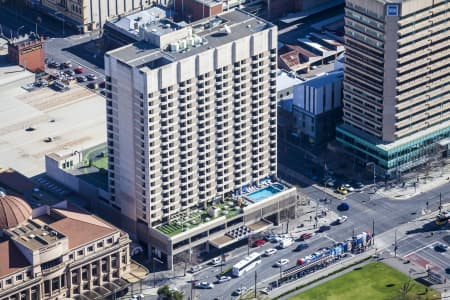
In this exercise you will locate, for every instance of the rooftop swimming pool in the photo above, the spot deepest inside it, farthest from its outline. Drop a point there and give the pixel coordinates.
(264, 193)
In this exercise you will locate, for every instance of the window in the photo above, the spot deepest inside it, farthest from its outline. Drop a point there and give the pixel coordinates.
(80, 252)
(90, 248)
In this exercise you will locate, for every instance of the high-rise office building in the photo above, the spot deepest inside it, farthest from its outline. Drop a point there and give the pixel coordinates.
(192, 131)
(397, 81)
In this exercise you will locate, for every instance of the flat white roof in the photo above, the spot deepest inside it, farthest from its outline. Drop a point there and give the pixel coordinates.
(79, 122)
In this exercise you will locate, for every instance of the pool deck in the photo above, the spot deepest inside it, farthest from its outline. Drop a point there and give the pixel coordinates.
(200, 217)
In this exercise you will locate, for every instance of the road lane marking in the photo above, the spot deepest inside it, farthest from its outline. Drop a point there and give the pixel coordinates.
(420, 249)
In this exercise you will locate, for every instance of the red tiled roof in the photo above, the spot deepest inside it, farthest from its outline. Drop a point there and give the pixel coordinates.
(80, 232)
(11, 259)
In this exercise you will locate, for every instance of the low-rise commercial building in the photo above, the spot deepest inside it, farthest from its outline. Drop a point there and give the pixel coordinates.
(317, 108)
(28, 52)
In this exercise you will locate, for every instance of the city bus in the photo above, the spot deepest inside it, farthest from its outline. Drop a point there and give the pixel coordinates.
(246, 264)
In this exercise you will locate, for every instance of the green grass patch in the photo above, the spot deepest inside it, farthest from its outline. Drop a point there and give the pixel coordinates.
(101, 163)
(373, 281)
(194, 219)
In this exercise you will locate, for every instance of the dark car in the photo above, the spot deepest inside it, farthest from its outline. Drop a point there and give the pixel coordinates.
(301, 246)
(441, 247)
(54, 64)
(69, 72)
(343, 206)
(66, 64)
(324, 228)
(306, 236)
(81, 78)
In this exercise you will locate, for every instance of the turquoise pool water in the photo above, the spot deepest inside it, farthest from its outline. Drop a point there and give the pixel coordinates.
(265, 192)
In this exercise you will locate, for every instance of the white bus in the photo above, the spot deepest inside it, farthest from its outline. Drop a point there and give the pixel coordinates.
(246, 264)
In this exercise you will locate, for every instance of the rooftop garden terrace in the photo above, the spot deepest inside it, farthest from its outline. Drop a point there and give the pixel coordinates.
(194, 217)
(232, 206)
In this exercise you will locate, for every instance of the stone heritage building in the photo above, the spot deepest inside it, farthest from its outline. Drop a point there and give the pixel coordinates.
(59, 252)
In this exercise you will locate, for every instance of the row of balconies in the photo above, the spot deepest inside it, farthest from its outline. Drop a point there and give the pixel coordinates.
(420, 89)
(422, 57)
(426, 78)
(425, 45)
(422, 97)
(427, 66)
(438, 6)
(422, 112)
(420, 126)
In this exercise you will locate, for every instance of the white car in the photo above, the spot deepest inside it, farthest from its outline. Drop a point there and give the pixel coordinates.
(282, 262)
(341, 219)
(216, 261)
(204, 285)
(240, 291)
(349, 188)
(223, 279)
(270, 252)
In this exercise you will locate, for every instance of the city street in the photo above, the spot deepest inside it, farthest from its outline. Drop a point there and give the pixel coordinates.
(366, 209)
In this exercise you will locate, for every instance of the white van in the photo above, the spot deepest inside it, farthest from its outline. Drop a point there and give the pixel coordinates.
(284, 243)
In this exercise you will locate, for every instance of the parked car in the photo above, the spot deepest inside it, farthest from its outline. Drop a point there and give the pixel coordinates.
(67, 64)
(93, 85)
(54, 64)
(441, 247)
(195, 269)
(204, 285)
(359, 185)
(223, 279)
(270, 252)
(102, 84)
(348, 187)
(259, 243)
(91, 77)
(239, 291)
(281, 262)
(306, 236)
(137, 297)
(81, 78)
(70, 72)
(301, 246)
(78, 70)
(342, 190)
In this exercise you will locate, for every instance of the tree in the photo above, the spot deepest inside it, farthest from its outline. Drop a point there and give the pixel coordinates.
(166, 293)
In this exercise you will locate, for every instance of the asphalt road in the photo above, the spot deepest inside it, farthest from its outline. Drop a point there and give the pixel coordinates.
(366, 209)
(264, 271)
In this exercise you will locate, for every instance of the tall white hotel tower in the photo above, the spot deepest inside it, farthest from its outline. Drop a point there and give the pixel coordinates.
(192, 122)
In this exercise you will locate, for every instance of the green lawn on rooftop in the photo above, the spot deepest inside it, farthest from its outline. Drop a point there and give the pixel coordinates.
(173, 228)
(375, 281)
